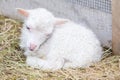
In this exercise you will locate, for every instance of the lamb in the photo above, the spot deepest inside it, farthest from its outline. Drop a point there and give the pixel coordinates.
(52, 43)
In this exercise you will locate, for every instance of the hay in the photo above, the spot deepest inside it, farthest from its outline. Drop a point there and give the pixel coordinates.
(13, 67)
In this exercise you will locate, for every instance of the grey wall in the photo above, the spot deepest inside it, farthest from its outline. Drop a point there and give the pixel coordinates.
(97, 18)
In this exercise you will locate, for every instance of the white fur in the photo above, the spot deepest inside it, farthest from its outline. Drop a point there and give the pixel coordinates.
(69, 46)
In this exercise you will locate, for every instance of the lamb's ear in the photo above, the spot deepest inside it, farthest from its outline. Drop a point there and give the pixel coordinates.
(59, 21)
(23, 12)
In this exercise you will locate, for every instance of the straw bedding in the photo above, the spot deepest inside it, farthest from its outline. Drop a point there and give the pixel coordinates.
(13, 67)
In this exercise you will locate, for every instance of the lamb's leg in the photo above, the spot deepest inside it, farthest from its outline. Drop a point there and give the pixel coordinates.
(45, 64)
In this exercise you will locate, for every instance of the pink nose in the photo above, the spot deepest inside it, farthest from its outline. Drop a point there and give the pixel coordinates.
(32, 47)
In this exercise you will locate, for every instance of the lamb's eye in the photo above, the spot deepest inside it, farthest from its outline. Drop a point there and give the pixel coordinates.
(28, 27)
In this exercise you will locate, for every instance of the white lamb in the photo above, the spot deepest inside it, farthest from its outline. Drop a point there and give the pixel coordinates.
(55, 43)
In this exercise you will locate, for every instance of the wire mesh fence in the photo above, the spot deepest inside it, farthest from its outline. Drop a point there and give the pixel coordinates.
(103, 5)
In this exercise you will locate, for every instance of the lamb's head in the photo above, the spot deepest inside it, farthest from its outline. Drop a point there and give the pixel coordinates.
(38, 26)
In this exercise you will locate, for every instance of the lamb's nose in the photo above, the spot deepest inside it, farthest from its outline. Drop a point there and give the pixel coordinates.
(32, 47)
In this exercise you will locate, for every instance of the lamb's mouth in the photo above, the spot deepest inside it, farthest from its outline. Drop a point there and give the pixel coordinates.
(50, 35)
(44, 42)
(37, 48)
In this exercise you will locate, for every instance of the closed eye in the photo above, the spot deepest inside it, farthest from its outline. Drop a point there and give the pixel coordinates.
(28, 28)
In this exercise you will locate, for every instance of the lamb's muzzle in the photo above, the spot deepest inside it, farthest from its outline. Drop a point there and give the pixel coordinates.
(32, 47)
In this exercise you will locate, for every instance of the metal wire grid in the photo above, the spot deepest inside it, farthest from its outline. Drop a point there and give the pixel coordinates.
(103, 5)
